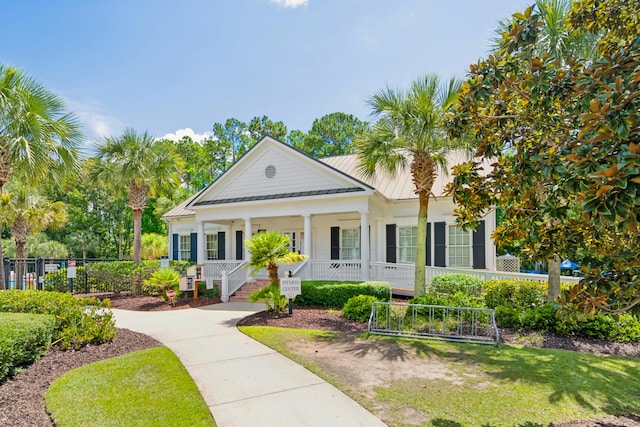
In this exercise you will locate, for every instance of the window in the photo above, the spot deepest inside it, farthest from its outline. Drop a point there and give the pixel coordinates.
(349, 243)
(185, 247)
(407, 239)
(212, 246)
(459, 247)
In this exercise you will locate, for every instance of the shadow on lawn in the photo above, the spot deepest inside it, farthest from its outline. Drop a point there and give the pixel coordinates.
(582, 377)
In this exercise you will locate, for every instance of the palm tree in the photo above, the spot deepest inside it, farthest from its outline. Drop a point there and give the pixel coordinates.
(409, 133)
(27, 213)
(84, 240)
(143, 166)
(37, 137)
(270, 250)
(554, 38)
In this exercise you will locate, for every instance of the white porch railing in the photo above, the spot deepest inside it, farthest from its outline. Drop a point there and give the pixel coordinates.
(213, 269)
(233, 280)
(335, 270)
(401, 275)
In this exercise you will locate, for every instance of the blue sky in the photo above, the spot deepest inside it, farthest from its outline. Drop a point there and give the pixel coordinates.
(165, 65)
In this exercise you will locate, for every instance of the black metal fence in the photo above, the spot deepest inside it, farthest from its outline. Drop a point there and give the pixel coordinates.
(53, 274)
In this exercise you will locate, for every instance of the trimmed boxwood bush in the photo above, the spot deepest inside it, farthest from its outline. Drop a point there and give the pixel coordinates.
(453, 283)
(514, 293)
(330, 294)
(79, 321)
(358, 308)
(23, 339)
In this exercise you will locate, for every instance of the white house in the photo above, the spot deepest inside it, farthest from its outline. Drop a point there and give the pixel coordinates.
(350, 227)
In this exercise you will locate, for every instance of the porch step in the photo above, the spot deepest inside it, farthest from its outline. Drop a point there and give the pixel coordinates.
(242, 294)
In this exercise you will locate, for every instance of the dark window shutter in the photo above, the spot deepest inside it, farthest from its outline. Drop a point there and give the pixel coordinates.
(176, 246)
(194, 247)
(335, 242)
(221, 242)
(391, 243)
(478, 246)
(239, 245)
(428, 243)
(440, 246)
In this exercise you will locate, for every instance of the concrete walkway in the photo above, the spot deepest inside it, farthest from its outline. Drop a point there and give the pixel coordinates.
(245, 383)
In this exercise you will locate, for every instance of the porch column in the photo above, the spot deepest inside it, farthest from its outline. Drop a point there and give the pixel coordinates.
(170, 246)
(307, 235)
(227, 242)
(380, 244)
(248, 233)
(202, 245)
(365, 243)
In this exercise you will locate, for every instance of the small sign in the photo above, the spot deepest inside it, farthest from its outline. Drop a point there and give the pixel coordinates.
(171, 293)
(71, 269)
(50, 268)
(164, 262)
(290, 287)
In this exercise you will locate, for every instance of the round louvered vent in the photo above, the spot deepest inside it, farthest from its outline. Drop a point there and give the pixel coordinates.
(270, 171)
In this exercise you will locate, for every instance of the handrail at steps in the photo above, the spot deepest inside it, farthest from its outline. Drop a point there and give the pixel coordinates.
(232, 281)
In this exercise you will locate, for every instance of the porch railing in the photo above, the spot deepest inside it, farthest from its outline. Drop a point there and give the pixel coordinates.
(336, 270)
(400, 276)
(233, 280)
(213, 269)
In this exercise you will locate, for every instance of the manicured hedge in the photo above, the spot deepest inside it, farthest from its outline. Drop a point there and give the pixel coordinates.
(331, 294)
(358, 308)
(79, 321)
(108, 276)
(453, 283)
(514, 293)
(23, 339)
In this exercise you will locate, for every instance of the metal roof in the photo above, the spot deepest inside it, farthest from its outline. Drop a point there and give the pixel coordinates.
(279, 196)
(396, 187)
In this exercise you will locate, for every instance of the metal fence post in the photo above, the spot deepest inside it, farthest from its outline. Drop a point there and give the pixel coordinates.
(7, 269)
(40, 273)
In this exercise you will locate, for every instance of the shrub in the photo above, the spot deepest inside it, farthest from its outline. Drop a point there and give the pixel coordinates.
(57, 280)
(514, 293)
(270, 295)
(78, 320)
(330, 294)
(453, 283)
(23, 339)
(358, 308)
(161, 281)
(458, 299)
(214, 292)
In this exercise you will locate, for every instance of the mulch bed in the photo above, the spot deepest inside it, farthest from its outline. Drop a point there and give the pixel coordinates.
(22, 398)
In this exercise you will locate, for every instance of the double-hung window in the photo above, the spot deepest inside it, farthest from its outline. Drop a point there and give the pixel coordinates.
(459, 247)
(349, 243)
(185, 247)
(407, 240)
(212, 246)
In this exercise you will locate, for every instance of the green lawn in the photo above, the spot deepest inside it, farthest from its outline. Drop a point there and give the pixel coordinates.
(504, 386)
(144, 388)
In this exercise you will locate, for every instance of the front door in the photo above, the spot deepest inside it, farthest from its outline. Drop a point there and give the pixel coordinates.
(296, 241)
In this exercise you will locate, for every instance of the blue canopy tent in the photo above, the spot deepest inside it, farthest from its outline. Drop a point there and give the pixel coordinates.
(567, 264)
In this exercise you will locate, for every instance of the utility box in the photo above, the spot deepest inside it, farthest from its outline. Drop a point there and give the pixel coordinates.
(508, 263)
(188, 282)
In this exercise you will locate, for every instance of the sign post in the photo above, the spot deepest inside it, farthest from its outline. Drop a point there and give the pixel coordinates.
(71, 273)
(290, 287)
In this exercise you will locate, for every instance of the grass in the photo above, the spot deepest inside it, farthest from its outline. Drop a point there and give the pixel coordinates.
(144, 388)
(504, 386)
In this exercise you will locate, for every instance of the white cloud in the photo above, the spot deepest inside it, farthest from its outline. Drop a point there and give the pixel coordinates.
(290, 3)
(177, 136)
(97, 123)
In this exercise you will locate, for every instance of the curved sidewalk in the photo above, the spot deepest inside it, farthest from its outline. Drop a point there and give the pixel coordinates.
(244, 382)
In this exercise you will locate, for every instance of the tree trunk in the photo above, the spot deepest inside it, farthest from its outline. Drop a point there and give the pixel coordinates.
(421, 247)
(137, 248)
(272, 268)
(20, 264)
(3, 284)
(137, 236)
(554, 278)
